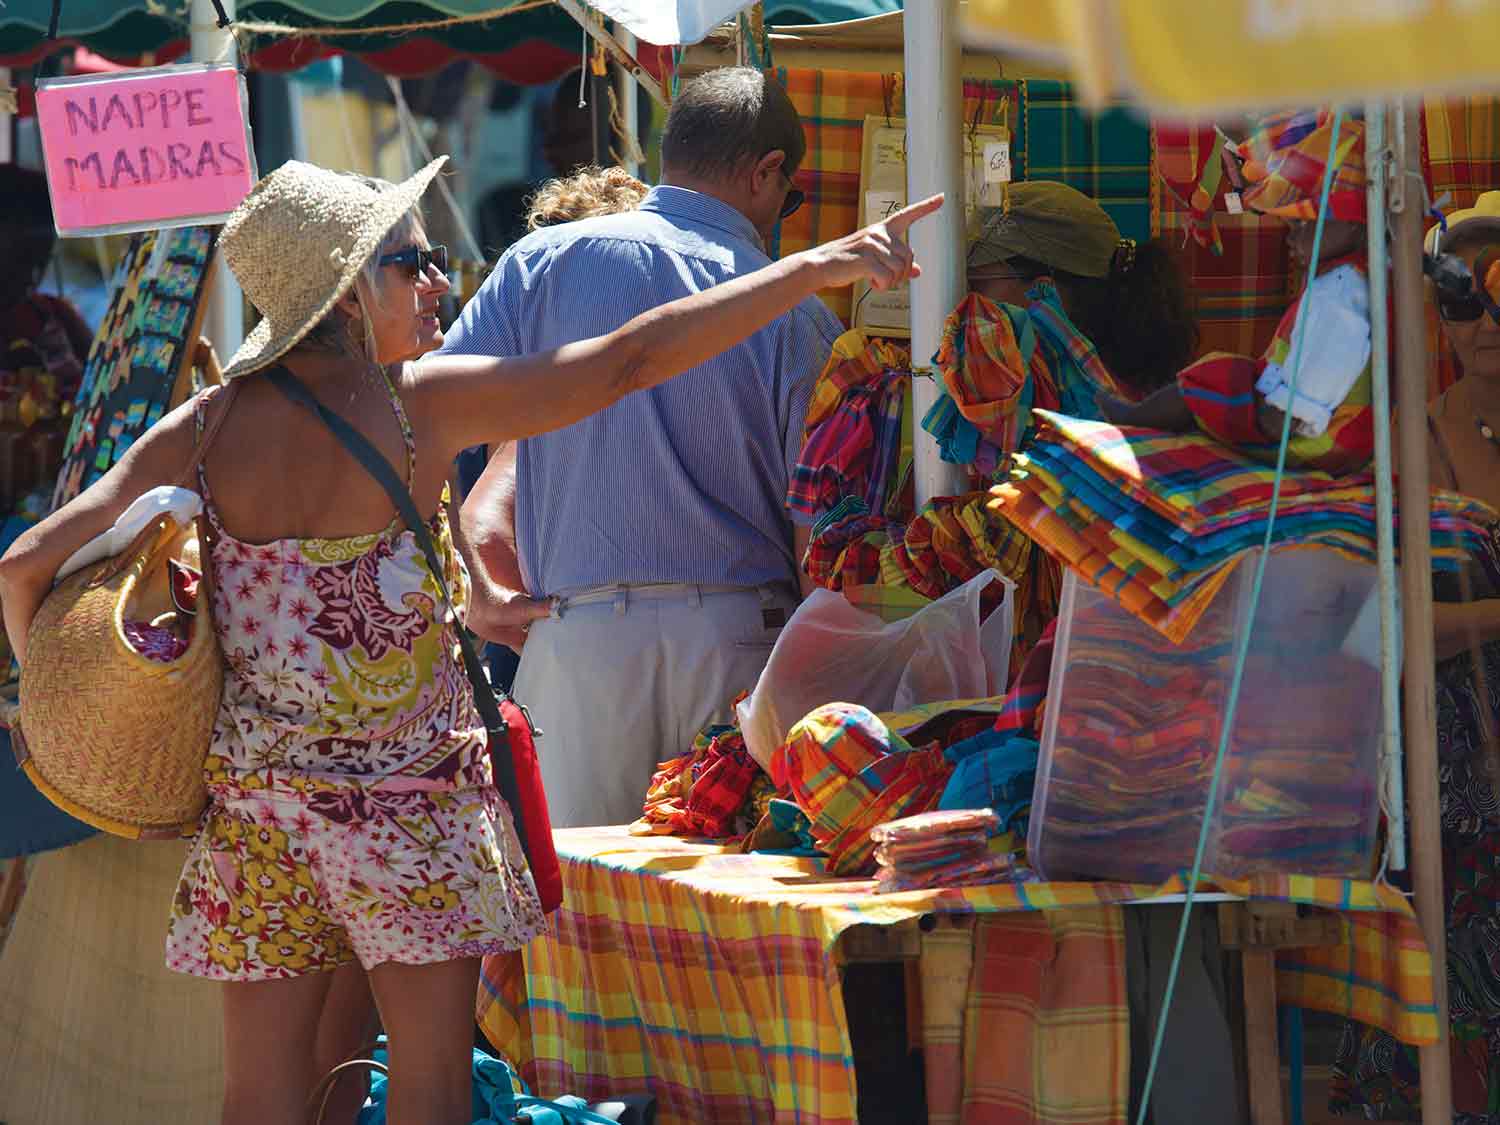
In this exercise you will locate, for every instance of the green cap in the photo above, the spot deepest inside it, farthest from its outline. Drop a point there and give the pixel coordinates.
(1050, 223)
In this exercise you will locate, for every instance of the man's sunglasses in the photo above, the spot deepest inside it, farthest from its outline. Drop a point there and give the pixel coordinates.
(416, 260)
(795, 197)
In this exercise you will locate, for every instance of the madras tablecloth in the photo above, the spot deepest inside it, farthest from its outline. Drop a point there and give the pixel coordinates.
(713, 977)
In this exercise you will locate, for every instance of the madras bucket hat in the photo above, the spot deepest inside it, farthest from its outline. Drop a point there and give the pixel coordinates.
(1048, 222)
(337, 220)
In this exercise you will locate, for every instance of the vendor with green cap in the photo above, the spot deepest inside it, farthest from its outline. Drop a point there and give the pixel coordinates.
(1061, 308)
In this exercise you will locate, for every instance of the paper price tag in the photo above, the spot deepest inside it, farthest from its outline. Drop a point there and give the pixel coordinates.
(997, 162)
(881, 205)
(1233, 204)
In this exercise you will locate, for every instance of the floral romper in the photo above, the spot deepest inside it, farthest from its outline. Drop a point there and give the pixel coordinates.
(352, 812)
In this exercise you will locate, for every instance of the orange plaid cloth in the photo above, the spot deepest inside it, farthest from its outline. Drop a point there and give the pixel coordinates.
(1047, 1028)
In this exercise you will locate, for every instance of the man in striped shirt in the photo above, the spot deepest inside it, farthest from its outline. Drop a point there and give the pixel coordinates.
(655, 533)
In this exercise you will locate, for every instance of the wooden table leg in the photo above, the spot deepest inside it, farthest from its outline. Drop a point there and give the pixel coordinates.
(1264, 1056)
(945, 963)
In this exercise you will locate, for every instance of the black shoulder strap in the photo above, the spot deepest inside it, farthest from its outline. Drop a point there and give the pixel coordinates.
(375, 463)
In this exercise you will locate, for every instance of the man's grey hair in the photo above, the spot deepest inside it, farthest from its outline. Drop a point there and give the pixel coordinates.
(727, 117)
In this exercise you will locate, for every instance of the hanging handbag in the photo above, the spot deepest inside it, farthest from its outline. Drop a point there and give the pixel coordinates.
(512, 736)
(108, 735)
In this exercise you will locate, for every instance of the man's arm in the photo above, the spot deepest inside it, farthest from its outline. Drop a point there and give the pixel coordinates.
(485, 533)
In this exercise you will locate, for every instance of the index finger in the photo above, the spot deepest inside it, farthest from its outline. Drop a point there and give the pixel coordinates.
(901, 221)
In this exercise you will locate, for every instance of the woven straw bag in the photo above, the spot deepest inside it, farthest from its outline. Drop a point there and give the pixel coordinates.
(107, 735)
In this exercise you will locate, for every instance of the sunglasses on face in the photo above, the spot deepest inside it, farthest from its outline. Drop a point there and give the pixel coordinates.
(1465, 308)
(416, 260)
(795, 197)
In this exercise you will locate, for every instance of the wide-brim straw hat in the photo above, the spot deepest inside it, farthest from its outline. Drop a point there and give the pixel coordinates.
(297, 243)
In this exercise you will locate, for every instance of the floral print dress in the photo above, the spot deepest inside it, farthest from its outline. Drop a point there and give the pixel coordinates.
(352, 812)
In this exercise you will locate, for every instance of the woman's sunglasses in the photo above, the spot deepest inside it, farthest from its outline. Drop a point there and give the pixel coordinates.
(416, 260)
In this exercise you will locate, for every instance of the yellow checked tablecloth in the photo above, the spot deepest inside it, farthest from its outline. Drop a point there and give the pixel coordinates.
(712, 978)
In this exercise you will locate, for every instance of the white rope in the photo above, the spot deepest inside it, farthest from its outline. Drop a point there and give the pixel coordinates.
(583, 73)
(409, 126)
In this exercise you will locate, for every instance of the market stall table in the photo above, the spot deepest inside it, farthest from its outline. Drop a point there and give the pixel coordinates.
(714, 979)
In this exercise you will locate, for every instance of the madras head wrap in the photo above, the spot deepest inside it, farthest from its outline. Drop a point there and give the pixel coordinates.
(1285, 159)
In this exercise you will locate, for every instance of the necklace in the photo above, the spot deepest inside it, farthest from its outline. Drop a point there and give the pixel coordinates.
(1486, 431)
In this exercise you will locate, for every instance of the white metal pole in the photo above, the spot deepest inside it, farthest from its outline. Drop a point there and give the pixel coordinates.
(224, 321)
(1377, 163)
(934, 163)
(630, 104)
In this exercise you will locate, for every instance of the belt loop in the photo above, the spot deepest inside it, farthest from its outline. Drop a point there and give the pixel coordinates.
(695, 598)
(622, 600)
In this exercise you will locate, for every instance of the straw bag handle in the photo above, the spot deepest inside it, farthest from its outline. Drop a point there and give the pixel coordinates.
(187, 480)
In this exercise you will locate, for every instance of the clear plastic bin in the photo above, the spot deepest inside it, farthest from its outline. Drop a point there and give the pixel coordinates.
(1132, 724)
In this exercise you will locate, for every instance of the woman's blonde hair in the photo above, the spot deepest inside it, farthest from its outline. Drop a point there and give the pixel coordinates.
(335, 332)
(586, 193)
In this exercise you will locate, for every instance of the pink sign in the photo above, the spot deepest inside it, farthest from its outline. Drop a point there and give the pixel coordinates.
(158, 147)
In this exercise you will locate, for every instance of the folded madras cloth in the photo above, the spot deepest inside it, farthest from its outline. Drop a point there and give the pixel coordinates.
(1287, 156)
(1159, 521)
(848, 772)
(1333, 418)
(938, 849)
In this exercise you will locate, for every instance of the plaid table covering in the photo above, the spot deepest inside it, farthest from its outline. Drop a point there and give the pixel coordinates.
(712, 978)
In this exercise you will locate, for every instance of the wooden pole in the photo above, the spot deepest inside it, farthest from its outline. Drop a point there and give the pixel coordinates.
(1420, 706)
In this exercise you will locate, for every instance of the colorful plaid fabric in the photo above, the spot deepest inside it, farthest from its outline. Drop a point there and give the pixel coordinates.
(1285, 160)
(705, 792)
(1186, 157)
(1047, 1026)
(1220, 391)
(855, 450)
(1158, 521)
(848, 771)
(712, 979)
(999, 362)
(856, 360)
(1107, 155)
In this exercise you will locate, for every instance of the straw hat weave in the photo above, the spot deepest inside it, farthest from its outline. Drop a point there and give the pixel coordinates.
(297, 243)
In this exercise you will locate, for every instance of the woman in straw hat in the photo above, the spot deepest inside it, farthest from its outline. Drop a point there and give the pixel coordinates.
(352, 812)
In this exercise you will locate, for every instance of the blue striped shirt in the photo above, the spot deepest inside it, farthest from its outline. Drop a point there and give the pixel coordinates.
(686, 482)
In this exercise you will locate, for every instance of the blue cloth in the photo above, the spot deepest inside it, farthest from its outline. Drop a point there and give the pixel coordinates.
(29, 823)
(686, 482)
(495, 1098)
(995, 770)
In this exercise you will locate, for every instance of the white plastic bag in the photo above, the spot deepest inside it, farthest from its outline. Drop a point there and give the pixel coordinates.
(832, 652)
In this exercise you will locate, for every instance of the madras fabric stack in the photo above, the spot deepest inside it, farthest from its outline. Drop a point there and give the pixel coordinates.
(1129, 747)
(937, 849)
(1160, 521)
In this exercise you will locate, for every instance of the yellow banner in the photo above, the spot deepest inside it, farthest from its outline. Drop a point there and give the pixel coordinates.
(1197, 55)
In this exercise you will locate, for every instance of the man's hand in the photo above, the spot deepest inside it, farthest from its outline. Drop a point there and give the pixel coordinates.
(503, 616)
(878, 253)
